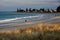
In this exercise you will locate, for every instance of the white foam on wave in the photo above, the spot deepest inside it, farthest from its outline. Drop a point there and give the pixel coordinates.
(8, 20)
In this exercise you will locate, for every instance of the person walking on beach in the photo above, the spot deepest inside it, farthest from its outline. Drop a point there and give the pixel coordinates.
(25, 20)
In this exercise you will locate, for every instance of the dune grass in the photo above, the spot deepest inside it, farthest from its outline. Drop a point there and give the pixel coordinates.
(37, 32)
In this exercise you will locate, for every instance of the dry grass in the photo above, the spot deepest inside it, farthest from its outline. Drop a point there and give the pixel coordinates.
(38, 32)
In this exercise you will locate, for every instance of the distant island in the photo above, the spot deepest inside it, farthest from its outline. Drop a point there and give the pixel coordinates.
(41, 10)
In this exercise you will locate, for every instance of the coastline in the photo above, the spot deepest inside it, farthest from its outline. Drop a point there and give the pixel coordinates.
(13, 26)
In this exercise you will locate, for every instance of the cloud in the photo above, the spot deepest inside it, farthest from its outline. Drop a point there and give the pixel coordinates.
(24, 2)
(18, 3)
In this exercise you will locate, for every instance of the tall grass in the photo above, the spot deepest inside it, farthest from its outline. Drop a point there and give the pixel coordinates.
(38, 32)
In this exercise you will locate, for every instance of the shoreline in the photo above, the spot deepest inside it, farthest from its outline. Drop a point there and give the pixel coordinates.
(26, 25)
(31, 23)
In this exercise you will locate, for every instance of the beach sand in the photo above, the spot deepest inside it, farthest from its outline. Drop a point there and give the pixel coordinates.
(47, 24)
(37, 27)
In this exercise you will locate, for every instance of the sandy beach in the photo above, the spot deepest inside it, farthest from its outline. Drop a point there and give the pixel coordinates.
(11, 27)
(28, 26)
(30, 23)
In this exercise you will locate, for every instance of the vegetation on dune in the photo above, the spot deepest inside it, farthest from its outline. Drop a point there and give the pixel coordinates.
(38, 32)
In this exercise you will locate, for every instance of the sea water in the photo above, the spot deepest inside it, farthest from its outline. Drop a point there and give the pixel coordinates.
(14, 17)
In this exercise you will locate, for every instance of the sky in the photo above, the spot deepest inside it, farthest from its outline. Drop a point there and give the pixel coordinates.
(12, 5)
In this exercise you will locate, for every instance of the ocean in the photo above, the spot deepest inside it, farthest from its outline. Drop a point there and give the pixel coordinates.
(14, 17)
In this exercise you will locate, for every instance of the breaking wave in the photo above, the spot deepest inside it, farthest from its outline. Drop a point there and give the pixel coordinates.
(17, 18)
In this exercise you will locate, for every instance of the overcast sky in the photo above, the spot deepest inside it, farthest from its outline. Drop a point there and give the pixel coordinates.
(9, 5)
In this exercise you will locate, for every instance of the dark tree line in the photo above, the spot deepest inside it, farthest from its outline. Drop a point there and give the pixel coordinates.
(40, 10)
